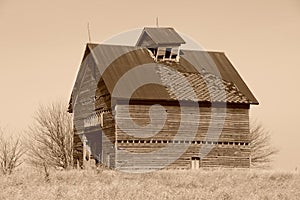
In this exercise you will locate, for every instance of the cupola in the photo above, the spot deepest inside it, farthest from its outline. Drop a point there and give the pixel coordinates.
(164, 42)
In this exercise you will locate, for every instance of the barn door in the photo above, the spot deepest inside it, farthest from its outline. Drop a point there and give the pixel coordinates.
(195, 162)
(94, 142)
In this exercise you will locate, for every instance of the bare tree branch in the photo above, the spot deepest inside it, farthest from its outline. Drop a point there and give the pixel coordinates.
(51, 137)
(11, 152)
(262, 151)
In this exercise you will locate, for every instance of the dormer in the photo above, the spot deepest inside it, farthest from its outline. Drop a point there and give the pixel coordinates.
(164, 43)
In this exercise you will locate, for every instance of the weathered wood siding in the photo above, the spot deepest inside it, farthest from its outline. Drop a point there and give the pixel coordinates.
(92, 101)
(103, 107)
(108, 140)
(77, 150)
(82, 106)
(230, 149)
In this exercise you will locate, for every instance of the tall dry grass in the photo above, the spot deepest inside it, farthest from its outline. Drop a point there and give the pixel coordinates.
(106, 184)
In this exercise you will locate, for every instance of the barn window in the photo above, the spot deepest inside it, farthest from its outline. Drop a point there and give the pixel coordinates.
(195, 162)
(168, 52)
(174, 53)
(163, 53)
(153, 51)
(174, 56)
(160, 53)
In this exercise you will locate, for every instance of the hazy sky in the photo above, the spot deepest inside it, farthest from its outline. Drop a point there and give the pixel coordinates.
(42, 44)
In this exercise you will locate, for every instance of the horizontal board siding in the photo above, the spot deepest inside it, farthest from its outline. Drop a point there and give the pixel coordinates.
(218, 157)
(108, 128)
(85, 100)
(102, 96)
(234, 129)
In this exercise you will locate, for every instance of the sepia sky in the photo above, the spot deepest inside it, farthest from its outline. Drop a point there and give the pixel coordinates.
(42, 44)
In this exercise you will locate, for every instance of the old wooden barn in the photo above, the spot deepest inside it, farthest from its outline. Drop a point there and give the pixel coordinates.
(154, 105)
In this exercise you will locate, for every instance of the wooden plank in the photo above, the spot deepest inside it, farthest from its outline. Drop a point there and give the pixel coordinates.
(234, 130)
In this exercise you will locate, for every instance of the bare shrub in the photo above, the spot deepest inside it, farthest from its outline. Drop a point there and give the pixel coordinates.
(50, 141)
(262, 151)
(11, 152)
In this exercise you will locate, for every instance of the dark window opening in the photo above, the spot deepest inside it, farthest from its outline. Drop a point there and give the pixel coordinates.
(195, 158)
(154, 51)
(168, 52)
(173, 56)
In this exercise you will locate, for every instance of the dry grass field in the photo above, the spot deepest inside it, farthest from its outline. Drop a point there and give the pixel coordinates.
(107, 184)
